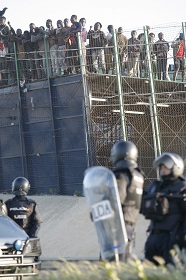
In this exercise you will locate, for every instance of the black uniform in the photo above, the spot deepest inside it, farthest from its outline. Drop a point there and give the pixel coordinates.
(130, 182)
(25, 213)
(130, 185)
(164, 204)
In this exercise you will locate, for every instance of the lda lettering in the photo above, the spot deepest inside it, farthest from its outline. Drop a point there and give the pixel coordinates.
(102, 211)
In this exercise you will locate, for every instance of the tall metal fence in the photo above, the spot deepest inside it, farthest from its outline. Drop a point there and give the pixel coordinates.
(58, 119)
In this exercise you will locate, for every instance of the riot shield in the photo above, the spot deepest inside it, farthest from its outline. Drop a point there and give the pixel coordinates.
(101, 192)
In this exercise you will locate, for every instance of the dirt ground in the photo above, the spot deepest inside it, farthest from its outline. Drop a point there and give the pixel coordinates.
(67, 231)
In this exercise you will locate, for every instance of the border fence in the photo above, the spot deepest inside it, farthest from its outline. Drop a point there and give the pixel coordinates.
(54, 124)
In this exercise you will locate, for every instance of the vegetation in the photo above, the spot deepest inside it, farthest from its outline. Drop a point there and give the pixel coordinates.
(134, 270)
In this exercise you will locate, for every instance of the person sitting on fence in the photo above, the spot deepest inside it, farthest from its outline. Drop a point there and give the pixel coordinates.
(21, 56)
(152, 55)
(73, 44)
(97, 42)
(62, 37)
(109, 51)
(83, 39)
(34, 31)
(179, 57)
(122, 49)
(4, 36)
(133, 54)
(161, 48)
(68, 60)
(53, 47)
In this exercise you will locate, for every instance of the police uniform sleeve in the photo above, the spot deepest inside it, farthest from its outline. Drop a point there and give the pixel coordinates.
(36, 222)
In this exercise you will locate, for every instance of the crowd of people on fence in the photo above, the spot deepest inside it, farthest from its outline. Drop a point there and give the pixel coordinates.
(56, 47)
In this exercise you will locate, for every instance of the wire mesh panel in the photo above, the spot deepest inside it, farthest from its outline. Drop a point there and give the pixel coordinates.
(10, 140)
(70, 133)
(106, 119)
(172, 119)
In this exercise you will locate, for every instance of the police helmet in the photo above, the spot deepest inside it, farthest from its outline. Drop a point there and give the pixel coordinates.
(20, 186)
(171, 161)
(124, 150)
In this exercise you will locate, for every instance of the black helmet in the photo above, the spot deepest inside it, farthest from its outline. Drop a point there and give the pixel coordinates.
(171, 161)
(124, 150)
(20, 186)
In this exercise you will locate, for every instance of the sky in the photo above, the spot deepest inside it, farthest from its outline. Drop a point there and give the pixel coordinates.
(129, 14)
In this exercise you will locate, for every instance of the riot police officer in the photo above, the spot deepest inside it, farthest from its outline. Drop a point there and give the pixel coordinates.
(164, 204)
(22, 210)
(130, 182)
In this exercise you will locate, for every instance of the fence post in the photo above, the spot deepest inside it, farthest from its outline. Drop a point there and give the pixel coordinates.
(119, 86)
(20, 118)
(153, 105)
(81, 56)
(48, 70)
(85, 103)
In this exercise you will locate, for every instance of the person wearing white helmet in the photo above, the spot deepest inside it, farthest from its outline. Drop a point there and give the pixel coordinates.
(164, 204)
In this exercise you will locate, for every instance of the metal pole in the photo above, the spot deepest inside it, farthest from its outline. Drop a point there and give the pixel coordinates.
(81, 56)
(22, 144)
(119, 85)
(86, 102)
(48, 70)
(155, 125)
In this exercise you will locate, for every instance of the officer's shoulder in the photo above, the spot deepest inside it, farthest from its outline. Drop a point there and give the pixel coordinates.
(121, 171)
(138, 175)
(182, 181)
(8, 201)
(31, 200)
(139, 170)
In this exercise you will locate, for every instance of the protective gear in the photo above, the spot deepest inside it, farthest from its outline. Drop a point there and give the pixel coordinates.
(171, 161)
(130, 186)
(25, 213)
(155, 205)
(124, 151)
(20, 186)
(101, 192)
(130, 182)
(168, 220)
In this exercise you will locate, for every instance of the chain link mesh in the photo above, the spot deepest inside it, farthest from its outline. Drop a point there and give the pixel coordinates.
(53, 126)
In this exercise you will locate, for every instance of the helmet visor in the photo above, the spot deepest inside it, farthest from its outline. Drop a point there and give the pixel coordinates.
(166, 159)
